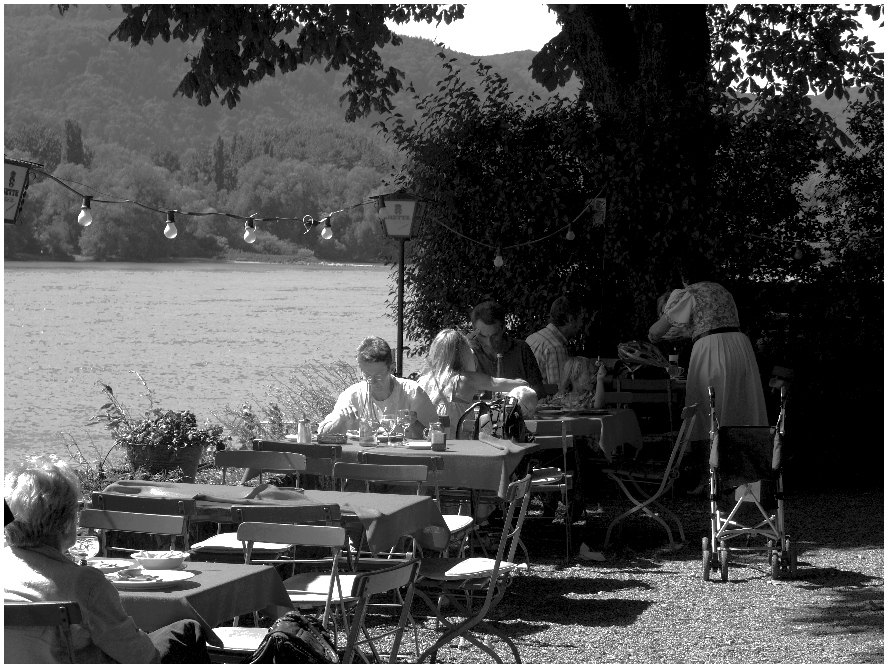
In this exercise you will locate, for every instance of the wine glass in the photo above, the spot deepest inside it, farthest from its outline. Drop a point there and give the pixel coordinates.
(389, 423)
(86, 547)
(404, 421)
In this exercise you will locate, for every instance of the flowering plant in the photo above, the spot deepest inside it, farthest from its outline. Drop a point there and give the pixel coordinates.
(158, 431)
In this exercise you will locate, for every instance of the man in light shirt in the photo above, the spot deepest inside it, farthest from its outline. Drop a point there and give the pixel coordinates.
(550, 344)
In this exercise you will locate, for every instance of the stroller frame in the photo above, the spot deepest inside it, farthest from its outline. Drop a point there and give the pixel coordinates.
(781, 551)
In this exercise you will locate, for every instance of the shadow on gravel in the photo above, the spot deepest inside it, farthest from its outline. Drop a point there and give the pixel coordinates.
(569, 601)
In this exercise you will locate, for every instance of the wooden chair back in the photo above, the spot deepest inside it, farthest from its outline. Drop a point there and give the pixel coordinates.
(264, 461)
(329, 515)
(45, 613)
(112, 520)
(320, 457)
(400, 579)
(416, 474)
(142, 504)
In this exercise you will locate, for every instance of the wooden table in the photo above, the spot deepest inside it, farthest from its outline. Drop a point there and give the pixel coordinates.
(216, 593)
(385, 517)
(610, 432)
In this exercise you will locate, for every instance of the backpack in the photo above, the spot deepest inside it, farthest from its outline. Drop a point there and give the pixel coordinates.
(295, 639)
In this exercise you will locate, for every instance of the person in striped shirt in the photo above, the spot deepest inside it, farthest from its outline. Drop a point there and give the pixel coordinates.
(550, 344)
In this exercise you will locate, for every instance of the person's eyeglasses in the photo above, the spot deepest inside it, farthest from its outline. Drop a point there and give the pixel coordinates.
(375, 378)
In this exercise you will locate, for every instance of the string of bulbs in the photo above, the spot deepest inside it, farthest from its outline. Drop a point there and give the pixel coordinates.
(170, 231)
(85, 218)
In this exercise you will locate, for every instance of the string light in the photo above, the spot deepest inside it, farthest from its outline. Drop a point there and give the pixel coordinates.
(798, 254)
(327, 232)
(249, 231)
(498, 260)
(570, 236)
(85, 216)
(170, 230)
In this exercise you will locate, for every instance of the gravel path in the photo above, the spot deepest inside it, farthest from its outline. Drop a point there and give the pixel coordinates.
(647, 605)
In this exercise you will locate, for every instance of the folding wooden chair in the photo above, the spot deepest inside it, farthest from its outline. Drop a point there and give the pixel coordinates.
(146, 505)
(415, 476)
(110, 520)
(458, 580)
(645, 484)
(279, 462)
(458, 525)
(552, 437)
(319, 458)
(650, 391)
(46, 613)
(399, 579)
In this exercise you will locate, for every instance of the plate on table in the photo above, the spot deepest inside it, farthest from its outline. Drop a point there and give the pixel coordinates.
(150, 579)
(550, 412)
(107, 565)
(291, 437)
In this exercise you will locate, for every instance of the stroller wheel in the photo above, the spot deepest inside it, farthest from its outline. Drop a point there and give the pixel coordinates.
(792, 552)
(707, 560)
(723, 562)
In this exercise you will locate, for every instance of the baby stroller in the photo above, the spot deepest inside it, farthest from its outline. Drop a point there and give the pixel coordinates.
(749, 459)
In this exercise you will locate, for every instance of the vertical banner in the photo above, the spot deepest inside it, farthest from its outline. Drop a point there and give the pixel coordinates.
(15, 185)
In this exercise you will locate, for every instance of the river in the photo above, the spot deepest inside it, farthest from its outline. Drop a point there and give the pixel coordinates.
(204, 335)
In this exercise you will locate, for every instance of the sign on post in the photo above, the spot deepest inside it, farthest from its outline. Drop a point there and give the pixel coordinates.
(15, 186)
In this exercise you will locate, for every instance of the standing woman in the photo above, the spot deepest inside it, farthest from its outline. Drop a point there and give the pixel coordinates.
(722, 355)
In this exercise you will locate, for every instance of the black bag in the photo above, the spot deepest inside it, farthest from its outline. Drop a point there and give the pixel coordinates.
(295, 639)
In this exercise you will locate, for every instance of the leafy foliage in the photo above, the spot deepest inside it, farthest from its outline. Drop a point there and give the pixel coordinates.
(241, 44)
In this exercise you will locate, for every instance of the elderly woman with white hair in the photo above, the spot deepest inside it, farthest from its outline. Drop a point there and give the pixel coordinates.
(42, 495)
(452, 380)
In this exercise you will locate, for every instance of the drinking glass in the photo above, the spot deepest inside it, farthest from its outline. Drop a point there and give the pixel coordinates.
(389, 423)
(85, 548)
(404, 421)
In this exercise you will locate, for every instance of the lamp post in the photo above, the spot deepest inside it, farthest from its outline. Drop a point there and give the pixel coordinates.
(401, 215)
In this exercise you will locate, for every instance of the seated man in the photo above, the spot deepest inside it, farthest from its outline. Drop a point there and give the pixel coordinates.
(550, 344)
(378, 393)
(43, 497)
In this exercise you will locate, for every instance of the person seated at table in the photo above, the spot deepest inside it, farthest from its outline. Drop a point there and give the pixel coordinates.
(494, 348)
(379, 392)
(579, 380)
(42, 494)
(452, 379)
(550, 344)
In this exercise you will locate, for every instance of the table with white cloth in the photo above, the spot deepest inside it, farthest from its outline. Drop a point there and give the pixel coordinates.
(609, 431)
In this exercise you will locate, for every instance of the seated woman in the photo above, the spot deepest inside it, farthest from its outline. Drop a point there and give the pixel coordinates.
(42, 495)
(451, 379)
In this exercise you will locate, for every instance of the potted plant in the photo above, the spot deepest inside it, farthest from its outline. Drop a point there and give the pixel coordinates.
(160, 441)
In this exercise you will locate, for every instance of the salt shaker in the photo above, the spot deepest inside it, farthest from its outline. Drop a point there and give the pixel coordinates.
(304, 430)
(437, 437)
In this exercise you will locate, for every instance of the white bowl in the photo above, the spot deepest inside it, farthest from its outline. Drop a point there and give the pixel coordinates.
(160, 561)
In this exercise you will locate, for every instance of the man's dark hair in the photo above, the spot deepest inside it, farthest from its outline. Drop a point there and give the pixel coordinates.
(562, 309)
(489, 311)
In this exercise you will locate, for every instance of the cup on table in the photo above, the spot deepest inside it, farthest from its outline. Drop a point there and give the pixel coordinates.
(675, 371)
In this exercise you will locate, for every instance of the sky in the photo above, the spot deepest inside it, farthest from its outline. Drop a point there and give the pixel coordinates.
(488, 28)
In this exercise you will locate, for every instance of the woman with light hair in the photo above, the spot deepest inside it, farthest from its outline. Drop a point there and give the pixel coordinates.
(451, 379)
(43, 494)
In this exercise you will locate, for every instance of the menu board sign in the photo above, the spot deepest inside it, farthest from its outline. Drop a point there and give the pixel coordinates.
(15, 184)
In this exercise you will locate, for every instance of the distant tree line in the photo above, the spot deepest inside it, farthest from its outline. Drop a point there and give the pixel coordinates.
(309, 168)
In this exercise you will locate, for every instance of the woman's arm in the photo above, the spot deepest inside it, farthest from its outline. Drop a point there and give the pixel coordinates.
(472, 382)
(659, 329)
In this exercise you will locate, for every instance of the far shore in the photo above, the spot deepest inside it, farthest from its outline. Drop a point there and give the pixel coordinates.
(265, 259)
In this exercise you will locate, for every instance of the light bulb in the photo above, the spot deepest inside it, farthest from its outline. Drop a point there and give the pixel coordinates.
(170, 230)
(249, 231)
(383, 212)
(85, 215)
(570, 236)
(327, 232)
(498, 260)
(799, 254)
